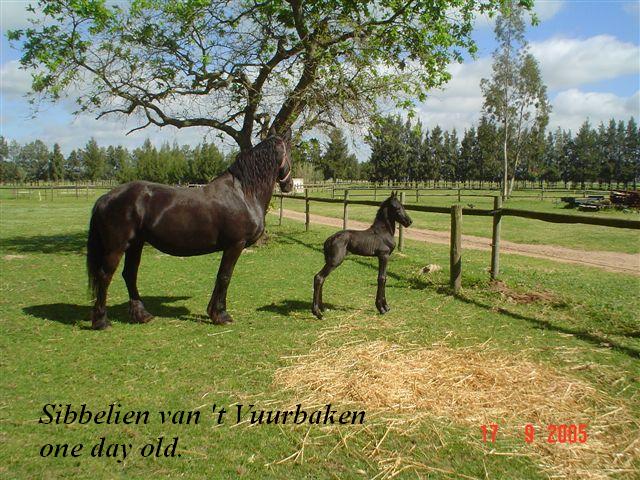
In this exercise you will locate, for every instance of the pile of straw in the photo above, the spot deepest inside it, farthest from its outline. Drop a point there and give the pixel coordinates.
(472, 386)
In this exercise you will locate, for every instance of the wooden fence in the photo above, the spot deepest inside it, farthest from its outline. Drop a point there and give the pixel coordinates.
(457, 212)
(48, 192)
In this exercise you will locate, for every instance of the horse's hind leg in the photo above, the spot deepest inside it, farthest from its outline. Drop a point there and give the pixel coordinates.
(334, 255)
(132, 257)
(110, 262)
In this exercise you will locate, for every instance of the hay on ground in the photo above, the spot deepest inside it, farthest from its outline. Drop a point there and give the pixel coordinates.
(476, 385)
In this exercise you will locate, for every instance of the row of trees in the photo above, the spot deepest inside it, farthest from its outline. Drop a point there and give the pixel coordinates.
(401, 151)
(35, 162)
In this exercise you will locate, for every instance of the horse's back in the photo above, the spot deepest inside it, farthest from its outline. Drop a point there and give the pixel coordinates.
(359, 242)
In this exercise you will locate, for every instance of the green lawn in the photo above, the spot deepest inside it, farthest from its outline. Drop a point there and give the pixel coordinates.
(521, 230)
(585, 329)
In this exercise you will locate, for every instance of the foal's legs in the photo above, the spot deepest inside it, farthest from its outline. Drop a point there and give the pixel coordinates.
(110, 262)
(333, 259)
(132, 256)
(381, 300)
(217, 308)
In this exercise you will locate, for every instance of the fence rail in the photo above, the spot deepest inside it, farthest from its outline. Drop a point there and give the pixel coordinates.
(457, 212)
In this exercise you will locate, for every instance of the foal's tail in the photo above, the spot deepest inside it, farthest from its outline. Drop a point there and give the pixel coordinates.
(95, 254)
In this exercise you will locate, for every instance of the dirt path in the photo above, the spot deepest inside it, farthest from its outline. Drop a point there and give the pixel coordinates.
(611, 261)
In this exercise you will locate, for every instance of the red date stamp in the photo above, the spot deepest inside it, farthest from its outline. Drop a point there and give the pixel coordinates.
(555, 433)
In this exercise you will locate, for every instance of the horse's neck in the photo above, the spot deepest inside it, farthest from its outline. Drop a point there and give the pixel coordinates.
(263, 198)
(259, 199)
(383, 223)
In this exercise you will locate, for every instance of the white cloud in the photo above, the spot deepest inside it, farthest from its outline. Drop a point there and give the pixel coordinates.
(14, 82)
(459, 103)
(544, 10)
(633, 9)
(572, 107)
(569, 62)
(14, 14)
(547, 9)
(567, 67)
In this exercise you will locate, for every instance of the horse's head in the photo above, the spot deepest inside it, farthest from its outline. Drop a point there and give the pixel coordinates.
(283, 149)
(396, 210)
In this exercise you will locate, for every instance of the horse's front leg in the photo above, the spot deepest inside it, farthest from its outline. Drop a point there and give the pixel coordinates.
(381, 300)
(217, 308)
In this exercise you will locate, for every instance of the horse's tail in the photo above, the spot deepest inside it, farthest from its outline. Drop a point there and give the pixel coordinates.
(95, 253)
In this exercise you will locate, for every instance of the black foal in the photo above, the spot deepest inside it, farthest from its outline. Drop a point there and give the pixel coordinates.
(375, 241)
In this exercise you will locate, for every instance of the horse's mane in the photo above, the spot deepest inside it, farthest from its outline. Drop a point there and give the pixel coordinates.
(382, 211)
(255, 168)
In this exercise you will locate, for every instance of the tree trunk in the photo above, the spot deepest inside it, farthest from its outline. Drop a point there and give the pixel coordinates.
(505, 176)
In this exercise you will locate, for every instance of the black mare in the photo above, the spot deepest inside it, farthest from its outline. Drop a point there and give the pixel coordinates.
(227, 214)
(375, 241)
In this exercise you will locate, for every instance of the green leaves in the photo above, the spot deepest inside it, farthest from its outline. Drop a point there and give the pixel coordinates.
(228, 60)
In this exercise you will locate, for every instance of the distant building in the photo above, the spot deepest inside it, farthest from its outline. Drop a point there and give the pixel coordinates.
(298, 185)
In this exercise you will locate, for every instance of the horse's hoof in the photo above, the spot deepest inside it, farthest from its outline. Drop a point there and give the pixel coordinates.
(317, 312)
(221, 318)
(137, 312)
(101, 323)
(383, 308)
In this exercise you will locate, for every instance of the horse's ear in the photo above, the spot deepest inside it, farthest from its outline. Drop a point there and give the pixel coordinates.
(287, 135)
(272, 132)
(393, 194)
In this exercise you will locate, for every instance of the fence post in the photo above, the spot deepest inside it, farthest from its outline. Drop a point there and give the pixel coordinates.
(375, 193)
(417, 195)
(401, 229)
(280, 216)
(495, 240)
(458, 195)
(455, 257)
(306, 209)
(345, 214)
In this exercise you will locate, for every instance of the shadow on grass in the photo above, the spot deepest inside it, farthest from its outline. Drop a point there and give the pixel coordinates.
(594, 339)
(287, 307)
(67, 243)
(71, 314)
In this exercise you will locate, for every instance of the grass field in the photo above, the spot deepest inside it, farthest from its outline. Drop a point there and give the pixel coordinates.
(521, 230)
(568, 325)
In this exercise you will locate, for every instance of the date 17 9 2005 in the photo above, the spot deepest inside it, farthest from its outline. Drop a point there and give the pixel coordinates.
(556, 433)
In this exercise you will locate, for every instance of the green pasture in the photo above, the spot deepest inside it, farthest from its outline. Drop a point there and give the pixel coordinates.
(181, 361)
(521, 230)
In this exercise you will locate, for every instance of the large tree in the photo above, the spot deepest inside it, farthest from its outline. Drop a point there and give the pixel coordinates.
(337, 162)
(56, 164)
(240, 67)
(33, 159)
(94, 160)
(515, 98)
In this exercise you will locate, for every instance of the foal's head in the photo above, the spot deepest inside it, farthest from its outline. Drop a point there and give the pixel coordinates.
(396, 211)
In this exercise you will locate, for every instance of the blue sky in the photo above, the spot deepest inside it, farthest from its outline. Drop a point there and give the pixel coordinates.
(589, 53)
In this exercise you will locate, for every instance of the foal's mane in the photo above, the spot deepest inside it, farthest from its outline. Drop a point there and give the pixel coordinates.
(382, 211)
(256, 168)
